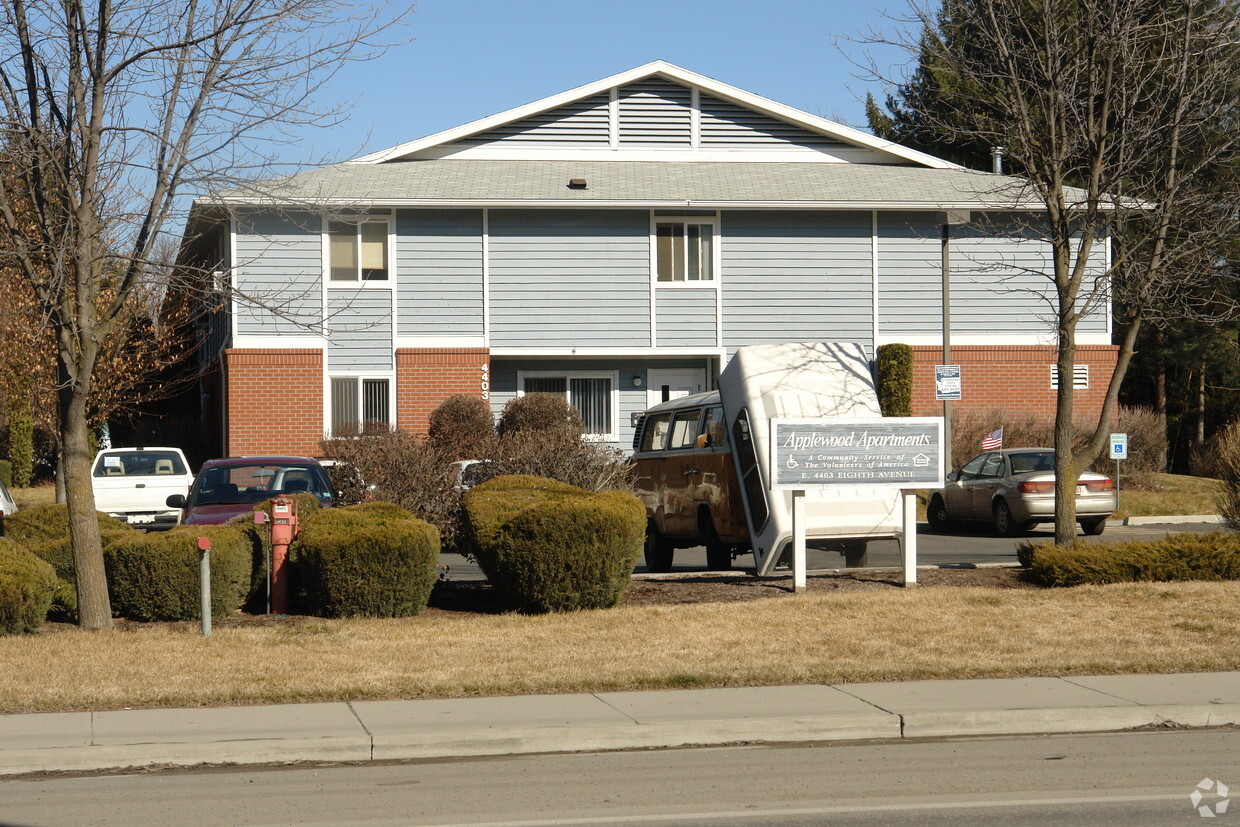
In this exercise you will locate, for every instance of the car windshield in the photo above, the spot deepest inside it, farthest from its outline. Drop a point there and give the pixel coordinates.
(1032, 461)
(252, 483)
(139, 464)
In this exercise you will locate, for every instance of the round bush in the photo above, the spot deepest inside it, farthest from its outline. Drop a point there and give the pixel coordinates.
(547, 413)
(370, 560)
(462, 427)
(26, 588)
(548, 547)
(156, 576)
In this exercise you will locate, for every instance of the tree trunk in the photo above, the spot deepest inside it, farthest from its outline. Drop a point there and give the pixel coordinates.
(62, 496)
(1065, 461)
(1201, 407)
(94, 607)
(1160, 400)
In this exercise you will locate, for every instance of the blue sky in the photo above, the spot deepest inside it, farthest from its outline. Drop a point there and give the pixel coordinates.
(471, 58)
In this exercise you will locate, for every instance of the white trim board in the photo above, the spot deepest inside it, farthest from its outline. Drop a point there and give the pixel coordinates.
(676, 74)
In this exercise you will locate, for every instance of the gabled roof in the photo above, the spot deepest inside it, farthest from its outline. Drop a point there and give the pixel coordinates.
(667, 71)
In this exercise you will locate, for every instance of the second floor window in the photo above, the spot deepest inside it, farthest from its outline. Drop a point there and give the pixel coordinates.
(358, 251)
(683, 251)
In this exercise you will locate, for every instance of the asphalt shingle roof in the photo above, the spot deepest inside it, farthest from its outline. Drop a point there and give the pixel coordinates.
(515, 182)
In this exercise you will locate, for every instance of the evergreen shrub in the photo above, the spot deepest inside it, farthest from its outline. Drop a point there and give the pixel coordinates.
(1214, 556)
(6, 473)
(40, 523)
(370, 560)
(547, 546)
(895, 379)
(59, 553)
(26, 588)
(155, 576)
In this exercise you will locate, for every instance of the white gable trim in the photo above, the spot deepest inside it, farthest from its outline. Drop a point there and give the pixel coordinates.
(673, 73)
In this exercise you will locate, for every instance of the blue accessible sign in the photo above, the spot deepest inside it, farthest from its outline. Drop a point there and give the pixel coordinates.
(1119, 446)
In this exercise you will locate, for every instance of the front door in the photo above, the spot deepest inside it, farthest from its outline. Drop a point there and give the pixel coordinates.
(665, 384)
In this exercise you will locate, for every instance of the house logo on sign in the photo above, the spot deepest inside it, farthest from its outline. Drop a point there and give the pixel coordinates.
(921, 461)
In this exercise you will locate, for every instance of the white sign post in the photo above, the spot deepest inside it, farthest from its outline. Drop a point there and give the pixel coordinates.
(903, 453)
(1119, 450)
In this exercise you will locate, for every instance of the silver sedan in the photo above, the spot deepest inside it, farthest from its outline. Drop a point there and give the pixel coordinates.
(1015, 488)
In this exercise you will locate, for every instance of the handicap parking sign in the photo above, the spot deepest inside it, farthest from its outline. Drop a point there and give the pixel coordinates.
(1119, 446)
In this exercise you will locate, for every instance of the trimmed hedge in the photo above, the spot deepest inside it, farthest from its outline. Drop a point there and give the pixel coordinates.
(6, 473)
(59, 553)
(155, 576)
(41, 523)
(1214, 556)
(370, 560)
(895, 379)
(547, 546)
(26, 587)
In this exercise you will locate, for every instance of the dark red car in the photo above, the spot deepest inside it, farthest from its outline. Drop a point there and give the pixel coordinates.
(227, 488)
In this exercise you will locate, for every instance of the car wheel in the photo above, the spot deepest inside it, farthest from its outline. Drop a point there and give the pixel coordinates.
(1005, 524)
(1094, 526)
(936, 514)
(718, 555)
(658, 550)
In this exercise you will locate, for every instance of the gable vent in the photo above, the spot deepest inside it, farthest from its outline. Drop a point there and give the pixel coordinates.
(655, 113)
(726, 124)
(583, 122)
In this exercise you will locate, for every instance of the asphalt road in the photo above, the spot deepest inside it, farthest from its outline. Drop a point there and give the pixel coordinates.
(1121, 778)
(967, 546)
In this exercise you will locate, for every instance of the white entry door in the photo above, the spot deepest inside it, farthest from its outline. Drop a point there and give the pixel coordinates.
(673, 383)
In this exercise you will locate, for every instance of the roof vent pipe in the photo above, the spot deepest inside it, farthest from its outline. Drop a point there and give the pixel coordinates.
(996, 160)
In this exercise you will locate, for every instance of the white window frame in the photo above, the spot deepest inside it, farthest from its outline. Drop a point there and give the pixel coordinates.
(388, 283)
(361, 378)
(711, 221)
(612, 375)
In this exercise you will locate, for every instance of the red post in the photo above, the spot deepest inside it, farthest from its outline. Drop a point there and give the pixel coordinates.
(283, 528)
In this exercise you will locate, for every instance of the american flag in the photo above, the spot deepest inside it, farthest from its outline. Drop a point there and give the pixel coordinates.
(993, 441)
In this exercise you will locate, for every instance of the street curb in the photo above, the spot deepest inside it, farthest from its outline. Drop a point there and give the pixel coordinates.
(361, 746)
(1176, 519)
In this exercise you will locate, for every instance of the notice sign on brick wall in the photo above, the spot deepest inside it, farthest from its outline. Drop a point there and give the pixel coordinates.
(895, 452)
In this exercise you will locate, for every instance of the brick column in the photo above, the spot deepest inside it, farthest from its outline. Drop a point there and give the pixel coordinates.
(425, 377)
(1014, 377)
(275, 401)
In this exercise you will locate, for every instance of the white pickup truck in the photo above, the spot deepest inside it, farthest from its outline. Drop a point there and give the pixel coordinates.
(133, 484)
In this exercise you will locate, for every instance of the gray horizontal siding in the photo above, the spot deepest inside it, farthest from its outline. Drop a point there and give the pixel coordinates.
(439, 272)
(561, 278)
(582, 122)
(729, 125)
(685, 317)
(796, 276)
(655, 113)
(278, 275)
(1000, 278)
(360, 329)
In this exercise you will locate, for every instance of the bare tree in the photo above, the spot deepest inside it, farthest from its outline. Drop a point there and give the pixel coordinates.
(1121, 118)
(110, 111)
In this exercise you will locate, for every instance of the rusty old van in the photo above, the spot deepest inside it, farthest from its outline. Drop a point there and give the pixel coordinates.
(702, 460)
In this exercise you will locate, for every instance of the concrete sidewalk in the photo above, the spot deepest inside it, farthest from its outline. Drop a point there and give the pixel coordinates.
(383, 730)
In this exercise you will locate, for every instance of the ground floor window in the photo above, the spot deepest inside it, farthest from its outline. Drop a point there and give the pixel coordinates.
(593, 394)
(360, 404)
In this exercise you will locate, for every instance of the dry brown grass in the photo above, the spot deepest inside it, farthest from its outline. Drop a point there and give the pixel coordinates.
(870, 636)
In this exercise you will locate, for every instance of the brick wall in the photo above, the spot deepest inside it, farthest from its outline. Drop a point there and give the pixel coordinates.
(425, 377)
(275, 401)
(1015, 377)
